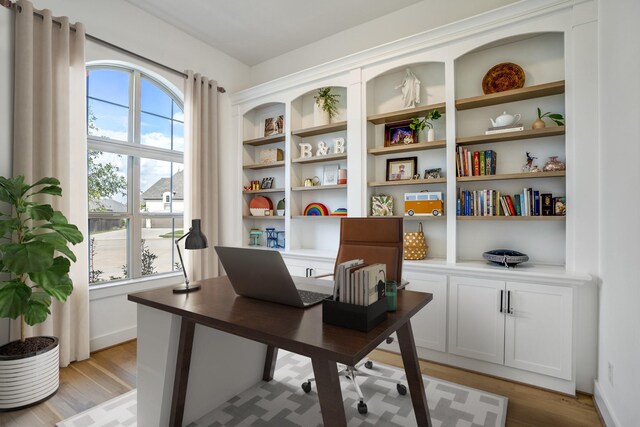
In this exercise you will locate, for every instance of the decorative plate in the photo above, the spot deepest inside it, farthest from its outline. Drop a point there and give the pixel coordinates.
(501, 77)
(505, 257)
(316, 209)
(259, 205)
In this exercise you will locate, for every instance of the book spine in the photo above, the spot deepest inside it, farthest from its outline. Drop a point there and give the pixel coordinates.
(482, 164)
(493, 132)
(469, 162)
(512, 209)
(458, 162)
(517, 205)
(476, 163)
(536, 203)
(546, 201)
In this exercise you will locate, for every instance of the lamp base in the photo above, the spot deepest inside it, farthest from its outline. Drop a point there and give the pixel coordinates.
(186, 289)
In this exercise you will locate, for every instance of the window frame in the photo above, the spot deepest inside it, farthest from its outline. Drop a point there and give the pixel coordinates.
(134, 150)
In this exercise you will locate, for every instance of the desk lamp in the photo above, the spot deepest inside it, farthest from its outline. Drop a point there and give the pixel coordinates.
(195, 240)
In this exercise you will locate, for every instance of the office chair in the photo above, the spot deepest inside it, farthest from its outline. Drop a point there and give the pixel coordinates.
(375, 240)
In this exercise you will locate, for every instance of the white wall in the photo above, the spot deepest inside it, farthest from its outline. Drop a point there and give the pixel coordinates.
(408, 21)
(619, 87)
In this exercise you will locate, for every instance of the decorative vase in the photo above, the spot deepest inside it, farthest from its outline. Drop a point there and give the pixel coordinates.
(320, 116)
(538, 124)
(553, 164)
(431, 135)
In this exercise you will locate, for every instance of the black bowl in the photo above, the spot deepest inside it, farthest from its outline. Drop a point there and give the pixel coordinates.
(505, 257)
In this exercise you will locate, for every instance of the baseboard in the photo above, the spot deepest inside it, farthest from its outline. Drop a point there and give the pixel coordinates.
(603, 407)
(113, 338)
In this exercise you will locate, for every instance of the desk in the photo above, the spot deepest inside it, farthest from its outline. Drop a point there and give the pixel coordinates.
(297, 330)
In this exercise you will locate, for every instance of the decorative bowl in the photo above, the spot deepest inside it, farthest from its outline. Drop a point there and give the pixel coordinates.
(505, 257)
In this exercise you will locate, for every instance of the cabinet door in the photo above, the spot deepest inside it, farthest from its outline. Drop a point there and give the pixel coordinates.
(539, 329)
(430, 324)
(476, 325)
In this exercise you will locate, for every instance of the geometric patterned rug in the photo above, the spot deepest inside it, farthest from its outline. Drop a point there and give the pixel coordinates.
(282, 403)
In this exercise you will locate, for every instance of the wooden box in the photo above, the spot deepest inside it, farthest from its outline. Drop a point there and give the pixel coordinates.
(271, 155)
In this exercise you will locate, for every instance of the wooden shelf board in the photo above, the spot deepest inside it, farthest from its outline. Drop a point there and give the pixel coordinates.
(411, 218)
(271, 139)
(318, 159)
(408, 182)
(441, 143)
(537, 91)
(269, 190)
(512, 218)
(320, 187)
(264, 165)
(319, 130)
(511, 136)
(530, 175)
(264, 218)
(316, 216)
(407, 114)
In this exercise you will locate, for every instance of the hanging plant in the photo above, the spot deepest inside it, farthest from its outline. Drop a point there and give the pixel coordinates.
(327, 101)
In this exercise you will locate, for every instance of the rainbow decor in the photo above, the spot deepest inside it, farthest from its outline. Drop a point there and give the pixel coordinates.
(316, 209)
(339, 212)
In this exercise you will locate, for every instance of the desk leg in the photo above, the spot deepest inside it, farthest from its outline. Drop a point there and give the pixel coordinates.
(414, 377)
(181, 378)
(329, 393)
(270, 363)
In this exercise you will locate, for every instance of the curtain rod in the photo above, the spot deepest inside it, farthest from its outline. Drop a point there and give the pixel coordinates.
(8, 4)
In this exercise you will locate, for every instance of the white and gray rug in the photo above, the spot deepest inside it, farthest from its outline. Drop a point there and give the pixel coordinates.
(282, 403)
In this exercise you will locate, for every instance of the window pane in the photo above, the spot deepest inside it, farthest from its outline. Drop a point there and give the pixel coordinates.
(161, 184)
(158, 245)
(155, 131)
(107, 120)
(107, 182)
(154, 100)
(109, 85)
(178, 136)
(178, 113)
(108, 243)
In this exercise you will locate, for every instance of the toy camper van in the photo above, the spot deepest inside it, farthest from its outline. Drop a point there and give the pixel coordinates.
(425, 203)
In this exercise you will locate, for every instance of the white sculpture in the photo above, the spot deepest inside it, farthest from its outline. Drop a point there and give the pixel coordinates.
(338, 146)
(305, 150)
(323, 149)
(410, 88)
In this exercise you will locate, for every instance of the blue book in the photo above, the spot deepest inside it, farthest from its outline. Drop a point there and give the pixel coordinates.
(518, 205)
(536, 203)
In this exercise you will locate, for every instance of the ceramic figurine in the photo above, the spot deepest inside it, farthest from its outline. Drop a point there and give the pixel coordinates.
(410, 88)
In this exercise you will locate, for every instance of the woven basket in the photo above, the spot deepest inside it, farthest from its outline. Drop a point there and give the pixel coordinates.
(415, 244)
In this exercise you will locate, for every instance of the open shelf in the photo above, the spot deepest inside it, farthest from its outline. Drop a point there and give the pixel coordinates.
(319, 130)
(408, 147)
(408, 182)
(264, 218)
(264, 165)
(271, 139)
(320, 187)
(412, 218)
(269, 190)
(318, 159)
(316, 217)
(537, 91)
(526, 175)
(511, 136)
(512, 218)
(409, 113)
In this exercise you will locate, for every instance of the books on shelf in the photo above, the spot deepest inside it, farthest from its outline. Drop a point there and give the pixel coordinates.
(475, 163)
(491, 203)
(359, 283)
(503, 129)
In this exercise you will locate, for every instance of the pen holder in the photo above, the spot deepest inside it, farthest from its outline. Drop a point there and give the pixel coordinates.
(358, 317)
(392, 295)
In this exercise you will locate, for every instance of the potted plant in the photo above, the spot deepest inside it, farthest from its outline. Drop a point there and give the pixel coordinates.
(539, 123)
(418, 125)
(34, 268)
(326, 106)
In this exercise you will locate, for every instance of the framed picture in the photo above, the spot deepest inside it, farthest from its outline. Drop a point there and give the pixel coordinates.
(280, 124)
(399, 134)
(401, 169)
(330, 175)
(273, 125)
(266, 183)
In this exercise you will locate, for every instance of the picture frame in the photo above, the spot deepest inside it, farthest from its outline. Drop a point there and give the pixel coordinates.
(330, 174)
(401, 169)
(399, 133)
(266, 183)
(273, 125)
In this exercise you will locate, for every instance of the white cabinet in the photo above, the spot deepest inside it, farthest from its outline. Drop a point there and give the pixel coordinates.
(430, 324)
(308, 266)
(522, 325)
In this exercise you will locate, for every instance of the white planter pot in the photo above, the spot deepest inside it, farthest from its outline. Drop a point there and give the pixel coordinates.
(27, 380)
(431, 135)
(320, 117)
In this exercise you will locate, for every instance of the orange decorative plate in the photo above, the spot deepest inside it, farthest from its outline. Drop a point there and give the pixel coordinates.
(259, 205)
(501, 77)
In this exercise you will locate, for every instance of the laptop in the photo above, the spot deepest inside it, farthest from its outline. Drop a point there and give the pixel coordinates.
(262, 274)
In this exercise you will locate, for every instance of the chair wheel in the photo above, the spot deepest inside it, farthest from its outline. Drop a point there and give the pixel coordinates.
(362, 408)
(368, 364)
(306, 387)
(402, 389)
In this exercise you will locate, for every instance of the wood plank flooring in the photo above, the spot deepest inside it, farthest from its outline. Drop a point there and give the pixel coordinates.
(111, 372)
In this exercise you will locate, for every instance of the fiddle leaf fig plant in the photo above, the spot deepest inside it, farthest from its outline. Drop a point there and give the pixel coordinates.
(418, 125)
(34, 254)
(327, 101)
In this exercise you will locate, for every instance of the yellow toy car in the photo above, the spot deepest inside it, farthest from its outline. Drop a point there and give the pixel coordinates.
(425, 203)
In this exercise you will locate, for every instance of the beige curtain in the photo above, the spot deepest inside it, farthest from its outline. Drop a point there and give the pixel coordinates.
(201, 170)
(49, 140)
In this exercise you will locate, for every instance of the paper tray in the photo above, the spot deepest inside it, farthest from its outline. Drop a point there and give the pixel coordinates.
(358, 317)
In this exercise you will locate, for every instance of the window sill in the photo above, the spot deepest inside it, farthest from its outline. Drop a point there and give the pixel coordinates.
(124, 287)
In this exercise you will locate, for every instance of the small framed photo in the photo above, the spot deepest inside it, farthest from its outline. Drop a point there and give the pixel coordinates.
(280, 124)
(330, 175)
(401, 169)
(399, 133)
(266, 183)
(269, 126)
(432, 173)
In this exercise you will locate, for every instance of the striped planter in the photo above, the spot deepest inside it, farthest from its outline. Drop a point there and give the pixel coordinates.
(29, 379)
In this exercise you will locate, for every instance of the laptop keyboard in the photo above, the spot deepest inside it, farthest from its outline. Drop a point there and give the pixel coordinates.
(309, 297)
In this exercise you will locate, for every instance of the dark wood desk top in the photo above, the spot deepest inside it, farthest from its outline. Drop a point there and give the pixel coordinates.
(298, 330)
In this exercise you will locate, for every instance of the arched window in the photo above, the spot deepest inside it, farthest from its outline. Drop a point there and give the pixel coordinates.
(135, 135)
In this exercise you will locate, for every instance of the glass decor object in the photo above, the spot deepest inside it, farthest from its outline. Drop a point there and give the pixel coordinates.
(553, 164)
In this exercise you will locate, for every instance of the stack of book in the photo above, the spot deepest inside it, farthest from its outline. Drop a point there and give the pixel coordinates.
(503, 129)
(475, 163)
(491, 203)
(359, 283)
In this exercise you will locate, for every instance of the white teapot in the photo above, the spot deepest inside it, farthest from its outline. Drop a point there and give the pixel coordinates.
(505, 120)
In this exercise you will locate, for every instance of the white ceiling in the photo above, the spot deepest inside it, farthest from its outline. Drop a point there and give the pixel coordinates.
(253, 31)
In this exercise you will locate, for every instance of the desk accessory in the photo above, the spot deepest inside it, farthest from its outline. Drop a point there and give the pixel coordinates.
(195, 240)
(391, 288)
(359, 317)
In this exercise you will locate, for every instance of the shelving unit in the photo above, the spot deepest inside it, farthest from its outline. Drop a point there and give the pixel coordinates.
(420, 146)
(264, 165)
(264, 218)
(511, 136)
(560, 218)
(320, 130)
(320, 159)
(321, 187)
(265, 190)
(407, 182)
(406, 114)
(265, 140)
(536, 91)
(526, 175)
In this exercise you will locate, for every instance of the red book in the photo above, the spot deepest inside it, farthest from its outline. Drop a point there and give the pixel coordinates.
(512, 210)
(476, 163)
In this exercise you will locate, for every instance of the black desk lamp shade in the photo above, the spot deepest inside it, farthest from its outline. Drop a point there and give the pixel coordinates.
(195, 240)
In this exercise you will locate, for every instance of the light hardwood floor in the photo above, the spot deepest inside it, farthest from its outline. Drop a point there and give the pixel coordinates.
(112, 372)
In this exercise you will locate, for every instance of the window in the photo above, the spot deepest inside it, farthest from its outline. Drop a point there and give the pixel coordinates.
(135, 134)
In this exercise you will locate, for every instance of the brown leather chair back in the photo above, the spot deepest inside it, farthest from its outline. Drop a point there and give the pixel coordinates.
(375, 240)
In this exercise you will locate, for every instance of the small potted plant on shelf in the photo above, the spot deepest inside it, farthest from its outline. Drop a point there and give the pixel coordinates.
(418, 125)
(326, 106)
(34, 268)
(539, 123)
